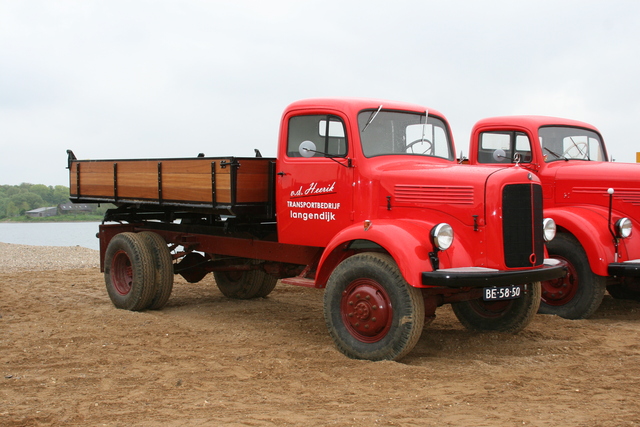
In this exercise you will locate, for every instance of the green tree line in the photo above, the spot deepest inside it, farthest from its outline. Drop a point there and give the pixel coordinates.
(15, 200)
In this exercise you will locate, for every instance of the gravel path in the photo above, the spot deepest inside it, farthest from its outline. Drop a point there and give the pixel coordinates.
(40, 258)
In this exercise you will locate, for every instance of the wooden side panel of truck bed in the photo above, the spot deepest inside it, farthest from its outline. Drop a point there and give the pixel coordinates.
(219, 183)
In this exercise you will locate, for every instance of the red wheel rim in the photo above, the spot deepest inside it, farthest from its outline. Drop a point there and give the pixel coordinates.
(366, 310)
(121, 273)
(560, 291)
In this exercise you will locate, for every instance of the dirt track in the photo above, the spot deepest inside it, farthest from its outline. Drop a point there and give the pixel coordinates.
(70, 358)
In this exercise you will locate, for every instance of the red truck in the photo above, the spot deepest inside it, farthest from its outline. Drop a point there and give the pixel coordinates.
(365, 199)
(595, 204)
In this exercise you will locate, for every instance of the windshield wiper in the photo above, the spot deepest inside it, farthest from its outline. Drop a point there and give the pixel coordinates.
(371, 117)
(558, 156)
(424, 126)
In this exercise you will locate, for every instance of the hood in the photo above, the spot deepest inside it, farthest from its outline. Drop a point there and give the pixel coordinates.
(460, 190)
(585, 182)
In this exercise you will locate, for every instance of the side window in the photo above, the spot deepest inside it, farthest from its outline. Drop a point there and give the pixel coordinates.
(523, 147)
(494, 147)
(326, 132)
(504, 147)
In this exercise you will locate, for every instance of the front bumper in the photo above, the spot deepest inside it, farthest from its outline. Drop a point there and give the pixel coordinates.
(628, 268)
(479, 277)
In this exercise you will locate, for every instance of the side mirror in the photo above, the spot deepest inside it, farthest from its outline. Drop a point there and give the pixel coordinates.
(499, 155)
(307, 148)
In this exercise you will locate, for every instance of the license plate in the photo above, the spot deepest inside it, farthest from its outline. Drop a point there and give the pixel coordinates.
(497, 293)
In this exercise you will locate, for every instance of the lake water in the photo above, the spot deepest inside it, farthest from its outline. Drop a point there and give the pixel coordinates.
(51, 234)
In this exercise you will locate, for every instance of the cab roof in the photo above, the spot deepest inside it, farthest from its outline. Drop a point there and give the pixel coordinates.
(532, 122)
(353, 106)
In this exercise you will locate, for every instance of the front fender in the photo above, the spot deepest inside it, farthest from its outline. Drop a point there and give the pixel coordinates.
(590, 227)
(408, 242)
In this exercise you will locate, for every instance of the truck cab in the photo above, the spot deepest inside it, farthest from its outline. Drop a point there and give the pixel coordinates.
(383, 173)
(593, 201)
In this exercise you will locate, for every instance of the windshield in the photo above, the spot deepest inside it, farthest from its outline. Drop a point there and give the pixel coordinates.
(394, 132)
(570, 143)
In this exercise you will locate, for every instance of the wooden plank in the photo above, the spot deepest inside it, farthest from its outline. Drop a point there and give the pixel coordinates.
(96, 179)
(252, 189)
(223, 188)
(253, 181)
(177, 186)
(187, 166)
(191, 180)
(73, 181)
(138, 180)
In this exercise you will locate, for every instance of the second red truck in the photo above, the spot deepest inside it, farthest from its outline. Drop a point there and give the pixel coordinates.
(594, 202)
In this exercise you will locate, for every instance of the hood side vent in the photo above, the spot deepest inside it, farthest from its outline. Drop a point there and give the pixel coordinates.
(627, 195)
(433, 194)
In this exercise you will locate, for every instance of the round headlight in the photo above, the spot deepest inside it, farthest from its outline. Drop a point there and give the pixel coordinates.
(623, 228)
(548, 229)
(442, 236)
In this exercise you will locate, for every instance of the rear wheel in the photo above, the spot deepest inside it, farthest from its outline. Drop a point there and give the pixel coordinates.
(510, 316)
(244, 284)
(129, 272)
(370, 310)
(163, 264)
(577, 295)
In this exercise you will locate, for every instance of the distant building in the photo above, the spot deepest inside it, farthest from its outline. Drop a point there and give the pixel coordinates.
(67, 208)
(42, 212)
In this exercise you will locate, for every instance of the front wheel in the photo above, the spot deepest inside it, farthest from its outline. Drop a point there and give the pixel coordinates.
(370, 310)
(510, 316)
(577, 295)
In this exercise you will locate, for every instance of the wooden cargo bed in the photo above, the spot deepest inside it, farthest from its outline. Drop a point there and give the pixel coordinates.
(231, 185)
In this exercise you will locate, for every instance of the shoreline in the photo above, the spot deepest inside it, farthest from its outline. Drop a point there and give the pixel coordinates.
(9, 221)
(16, 257)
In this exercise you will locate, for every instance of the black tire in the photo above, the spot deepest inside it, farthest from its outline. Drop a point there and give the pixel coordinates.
(579, 294)
(129, 272)
(163, 264)
(245, 284)
(268, 285)
(371, 312)
(510, 316)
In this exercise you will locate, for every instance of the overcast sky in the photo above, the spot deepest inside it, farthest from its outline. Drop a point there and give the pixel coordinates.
(129, 79)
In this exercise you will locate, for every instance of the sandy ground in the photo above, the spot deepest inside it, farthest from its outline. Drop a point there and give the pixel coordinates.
(68, 357)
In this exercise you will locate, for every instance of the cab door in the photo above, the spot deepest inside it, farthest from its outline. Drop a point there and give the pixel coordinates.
(314, 178)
